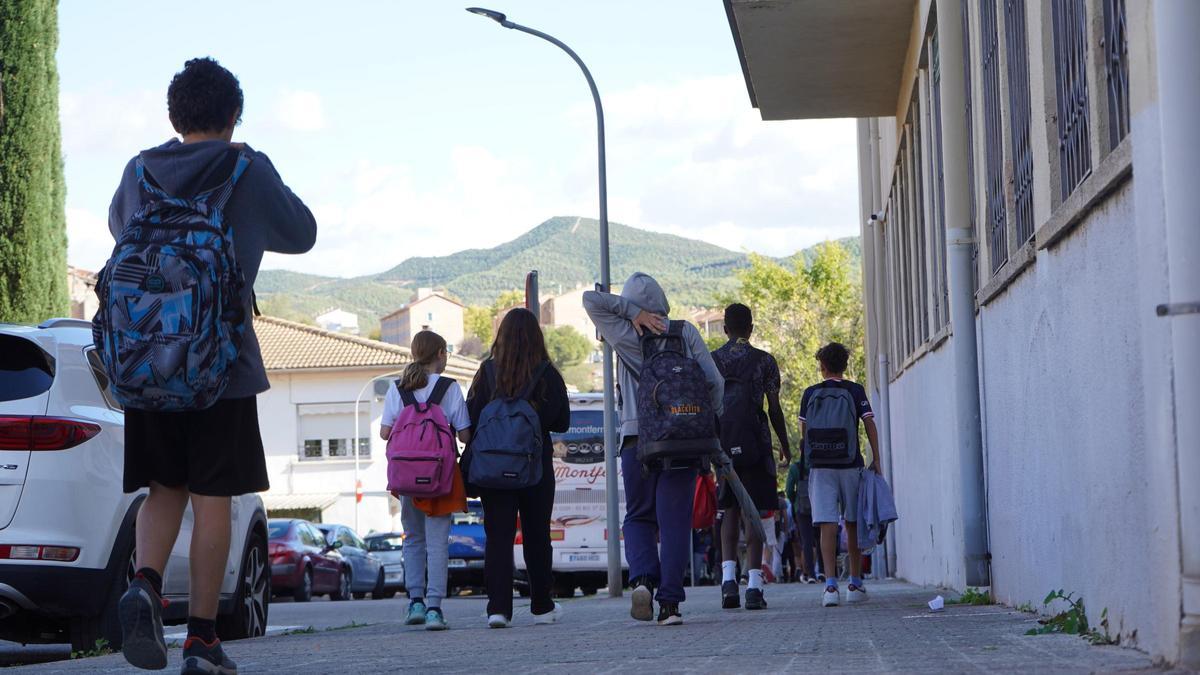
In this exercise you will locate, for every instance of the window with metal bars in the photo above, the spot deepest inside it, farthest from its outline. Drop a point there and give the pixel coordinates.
(1019, 116)
(969, 111)
(1116, 68)
(993, 133)
(941, 298)
(919, 240)
(1070, 84)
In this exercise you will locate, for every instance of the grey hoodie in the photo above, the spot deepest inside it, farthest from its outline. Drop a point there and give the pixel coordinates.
(613, 316)
(264, 214)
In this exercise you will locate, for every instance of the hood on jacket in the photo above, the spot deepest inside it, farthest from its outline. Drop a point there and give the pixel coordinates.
(642, 290)
(184, 169)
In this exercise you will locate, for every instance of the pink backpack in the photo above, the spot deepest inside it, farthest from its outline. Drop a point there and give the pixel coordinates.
(421, 451)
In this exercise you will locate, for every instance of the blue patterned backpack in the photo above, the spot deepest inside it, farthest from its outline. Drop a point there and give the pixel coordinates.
(171, 316)
(676, 420)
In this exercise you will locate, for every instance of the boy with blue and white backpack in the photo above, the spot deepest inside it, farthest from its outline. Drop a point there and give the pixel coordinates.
(192, 219)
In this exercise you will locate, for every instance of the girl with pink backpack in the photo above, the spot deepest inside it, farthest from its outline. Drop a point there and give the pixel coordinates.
(422, 416)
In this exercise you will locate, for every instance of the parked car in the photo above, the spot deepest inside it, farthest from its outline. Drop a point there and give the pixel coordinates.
(366, 571)
(304, 564)
(466, 547)
(388, 547)
(66, 525)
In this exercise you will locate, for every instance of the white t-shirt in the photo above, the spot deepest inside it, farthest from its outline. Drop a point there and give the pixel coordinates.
(454, 406)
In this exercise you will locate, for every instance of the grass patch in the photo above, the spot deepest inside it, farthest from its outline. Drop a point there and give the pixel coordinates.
(973, 596)
(1073, 620)
(101, 648)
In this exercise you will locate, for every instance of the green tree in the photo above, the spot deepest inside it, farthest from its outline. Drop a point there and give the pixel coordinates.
(567, 346)
(799, 309)
(33, 239)
(477, 321)
(508, 299)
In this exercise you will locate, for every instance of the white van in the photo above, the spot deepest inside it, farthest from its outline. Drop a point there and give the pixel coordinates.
(578, 524)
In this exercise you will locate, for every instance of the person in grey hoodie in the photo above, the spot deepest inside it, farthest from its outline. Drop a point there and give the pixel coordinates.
(202, 456)
(658, 504)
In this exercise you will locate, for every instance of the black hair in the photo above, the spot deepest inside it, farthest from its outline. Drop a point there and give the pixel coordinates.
(204, 96)
(834, 356)
(738, 319)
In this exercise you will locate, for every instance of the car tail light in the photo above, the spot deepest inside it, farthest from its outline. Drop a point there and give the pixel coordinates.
(606, 534)
(518, 540)
(37, 552)
(35, 432)
(558, 535)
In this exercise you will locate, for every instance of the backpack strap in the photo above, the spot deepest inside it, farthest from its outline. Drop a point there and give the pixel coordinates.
(146, 180)
(537, 375)
(406, 396)
(219, 196)
(672, 341)
(439, 390)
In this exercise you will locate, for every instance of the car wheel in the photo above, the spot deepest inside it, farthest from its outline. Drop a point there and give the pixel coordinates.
(588, 590)
(343, 589)
(563, 589)
(303, 592)
(249, 616)
(377, 592)
(386, 595)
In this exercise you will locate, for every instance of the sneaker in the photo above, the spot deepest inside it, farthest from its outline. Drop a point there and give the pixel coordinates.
(498, 620)
(668, 614)
(754, 599)
(549, 617)
(201, 658)
(642, 607)
(416, 613)
(140, 613)
(811, 580)
(830, 597)
(855, 594)
(435, 620)
(820, 578)
(730, 598)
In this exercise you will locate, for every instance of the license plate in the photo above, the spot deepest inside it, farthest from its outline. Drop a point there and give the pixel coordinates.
(583, 557)
(458, 562)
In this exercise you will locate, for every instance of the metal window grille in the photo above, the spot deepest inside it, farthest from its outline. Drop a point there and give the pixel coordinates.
(942, 296)
(969, 111)
(920, 226)
(1019, 116)
(1070, 83)
(1116, 66)
(997, 216)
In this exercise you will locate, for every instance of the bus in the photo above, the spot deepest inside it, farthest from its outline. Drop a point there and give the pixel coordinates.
(578, 524)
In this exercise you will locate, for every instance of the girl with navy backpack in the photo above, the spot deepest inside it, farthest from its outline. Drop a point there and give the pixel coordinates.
(516, 400)
(422, 396)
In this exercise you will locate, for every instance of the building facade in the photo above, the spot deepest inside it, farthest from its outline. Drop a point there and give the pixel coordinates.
(566, 309)
(338, 320)
(1032, 284)
(429, 310)
(320, 423)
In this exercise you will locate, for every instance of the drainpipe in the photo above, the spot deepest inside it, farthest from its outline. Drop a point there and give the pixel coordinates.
(1176, 25)
(960, 239)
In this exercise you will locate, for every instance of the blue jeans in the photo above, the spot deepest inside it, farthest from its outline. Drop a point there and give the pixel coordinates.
(658, 522)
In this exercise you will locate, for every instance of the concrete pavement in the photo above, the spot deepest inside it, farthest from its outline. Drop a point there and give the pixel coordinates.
(893, 632)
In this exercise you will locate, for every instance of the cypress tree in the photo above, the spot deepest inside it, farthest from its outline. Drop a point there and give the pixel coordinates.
(33, 238)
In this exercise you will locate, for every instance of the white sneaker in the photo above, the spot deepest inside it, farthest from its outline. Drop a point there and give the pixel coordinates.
(830, 597)
(856, 594)
(497, 621)
(549, 617)
(642, 607)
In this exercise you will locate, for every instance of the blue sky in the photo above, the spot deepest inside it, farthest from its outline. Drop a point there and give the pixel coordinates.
(414, 128)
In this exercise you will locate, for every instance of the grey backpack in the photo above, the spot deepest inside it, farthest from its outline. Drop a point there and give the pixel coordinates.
(831, 428)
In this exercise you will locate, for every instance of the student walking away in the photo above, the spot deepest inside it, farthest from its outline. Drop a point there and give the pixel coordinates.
(829, 416)
(805, 540)
(658, 494)
(516, 400)
(751, 375)
(422, 415)
(192, 219)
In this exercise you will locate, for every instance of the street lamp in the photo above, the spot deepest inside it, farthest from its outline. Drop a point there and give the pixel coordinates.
(355, 437)
(610, 415)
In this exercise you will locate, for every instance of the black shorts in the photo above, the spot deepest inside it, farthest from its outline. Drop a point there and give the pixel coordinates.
(759, 482)
(216, 452)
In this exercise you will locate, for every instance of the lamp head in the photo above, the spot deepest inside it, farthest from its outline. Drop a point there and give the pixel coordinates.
(492, 14)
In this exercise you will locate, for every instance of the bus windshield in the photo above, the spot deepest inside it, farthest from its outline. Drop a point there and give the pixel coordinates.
(583, 443)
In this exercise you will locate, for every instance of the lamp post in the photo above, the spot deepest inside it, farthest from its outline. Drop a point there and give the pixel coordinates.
(610, 415)
(354, 439)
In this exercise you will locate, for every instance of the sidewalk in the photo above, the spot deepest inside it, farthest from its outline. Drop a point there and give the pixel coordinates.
(893, 632)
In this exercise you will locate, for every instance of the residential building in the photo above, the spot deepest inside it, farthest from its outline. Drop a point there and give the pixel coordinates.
(339, 320)
(711, 322)
(1027, 181)
(320, 380)
(429, 310)
(566, 309)
(81, 286)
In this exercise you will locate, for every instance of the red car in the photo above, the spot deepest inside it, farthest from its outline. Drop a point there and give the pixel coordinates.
(303, 564)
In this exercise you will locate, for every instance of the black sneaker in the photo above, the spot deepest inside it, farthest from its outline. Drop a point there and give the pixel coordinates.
(642, 607)
(140, 613)
(730, 598)
(200, 658)
(755, 599)
(668, 614)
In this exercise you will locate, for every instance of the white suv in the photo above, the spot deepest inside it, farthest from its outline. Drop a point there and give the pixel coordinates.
(66, 526)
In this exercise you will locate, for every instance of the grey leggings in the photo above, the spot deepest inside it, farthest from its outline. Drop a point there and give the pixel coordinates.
(426, 553)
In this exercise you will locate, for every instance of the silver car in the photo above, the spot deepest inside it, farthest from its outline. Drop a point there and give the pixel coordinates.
(388, 547)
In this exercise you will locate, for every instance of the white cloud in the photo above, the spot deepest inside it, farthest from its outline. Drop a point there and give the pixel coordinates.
(97, 121)
(88, 240)
(300, 110)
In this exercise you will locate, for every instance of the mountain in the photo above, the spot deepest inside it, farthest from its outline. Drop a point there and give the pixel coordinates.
(564, 250)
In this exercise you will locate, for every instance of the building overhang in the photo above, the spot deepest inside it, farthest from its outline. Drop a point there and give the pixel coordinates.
(805, 59)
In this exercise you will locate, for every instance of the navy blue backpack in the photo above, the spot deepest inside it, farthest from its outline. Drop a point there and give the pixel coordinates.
(676, 420)
(742, 418)
(171, 318)
(506, 448)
